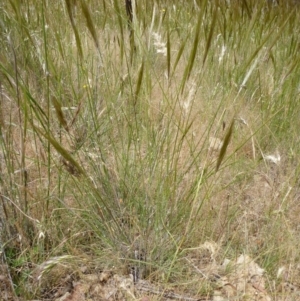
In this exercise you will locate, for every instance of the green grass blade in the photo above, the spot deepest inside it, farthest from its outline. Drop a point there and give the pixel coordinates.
(168, 53)
(139, 83)
(212, 27)
(179, 54)
(225, 145)
(193, 52)
(90, 23)
(60, 115)
(118, 12)
(69, 4)
(273, 41)
(60, 149)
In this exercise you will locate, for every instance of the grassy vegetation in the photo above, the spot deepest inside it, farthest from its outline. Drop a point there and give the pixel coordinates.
(159, 140)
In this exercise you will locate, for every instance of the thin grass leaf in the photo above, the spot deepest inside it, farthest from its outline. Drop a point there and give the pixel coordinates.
(179, 54)
(118, 12)
(186, 130)
(225, 145)
(90, 23)
(37, 109)
(139, 83)
(277, 35)
(59, 44)
(245, 4)
(168, 53)
(279, 31)
(248, 74)
(78, 42)
(16, 8)
(69, 4)
(76, 114)
(61, 150)
(192, 56)
(253, 21)
(212, 27)
(194, 48)
(128, 6)
(60, 115)
(292, 66)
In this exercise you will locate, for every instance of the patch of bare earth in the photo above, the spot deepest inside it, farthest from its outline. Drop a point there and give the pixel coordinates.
(239, 279)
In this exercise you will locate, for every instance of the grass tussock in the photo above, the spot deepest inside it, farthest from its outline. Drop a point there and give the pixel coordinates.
(151, 128)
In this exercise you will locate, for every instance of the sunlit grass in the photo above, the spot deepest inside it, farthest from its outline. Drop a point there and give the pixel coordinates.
(153, 133)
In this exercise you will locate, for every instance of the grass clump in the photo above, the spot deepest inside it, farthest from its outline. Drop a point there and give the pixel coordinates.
(140, 136)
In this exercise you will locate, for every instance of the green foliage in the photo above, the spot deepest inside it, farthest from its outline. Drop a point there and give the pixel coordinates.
(148, 130)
